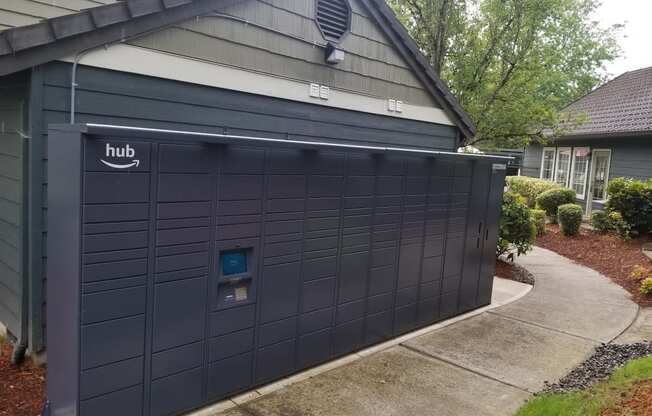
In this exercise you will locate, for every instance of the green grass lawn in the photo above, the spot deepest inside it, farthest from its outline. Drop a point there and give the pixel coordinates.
(591, 402)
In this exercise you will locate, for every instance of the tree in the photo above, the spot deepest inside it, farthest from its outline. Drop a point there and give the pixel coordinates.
(513, 64)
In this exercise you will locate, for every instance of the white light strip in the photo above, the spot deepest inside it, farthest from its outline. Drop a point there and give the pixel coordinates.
(290, 142)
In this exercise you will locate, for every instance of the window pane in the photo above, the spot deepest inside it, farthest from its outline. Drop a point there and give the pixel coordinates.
(580, 166)
(548, 164)
(600, 179)
(563, 167)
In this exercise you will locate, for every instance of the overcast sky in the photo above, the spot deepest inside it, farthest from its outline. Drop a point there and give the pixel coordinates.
(636, 38)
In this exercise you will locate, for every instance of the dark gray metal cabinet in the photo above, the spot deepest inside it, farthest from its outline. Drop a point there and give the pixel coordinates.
(209, 266)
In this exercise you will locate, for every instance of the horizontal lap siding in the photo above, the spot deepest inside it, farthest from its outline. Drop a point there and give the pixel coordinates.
(632, 159)
(11, 205)
(124, 99)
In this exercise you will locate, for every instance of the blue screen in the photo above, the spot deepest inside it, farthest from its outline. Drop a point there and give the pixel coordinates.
(234, 263)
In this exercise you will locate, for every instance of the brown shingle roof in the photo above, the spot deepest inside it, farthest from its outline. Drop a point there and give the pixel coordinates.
(621, 106)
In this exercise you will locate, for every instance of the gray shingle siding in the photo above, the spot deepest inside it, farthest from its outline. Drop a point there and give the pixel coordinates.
(279, 38)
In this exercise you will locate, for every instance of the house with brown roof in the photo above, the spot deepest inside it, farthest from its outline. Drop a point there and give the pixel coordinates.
(613, 138)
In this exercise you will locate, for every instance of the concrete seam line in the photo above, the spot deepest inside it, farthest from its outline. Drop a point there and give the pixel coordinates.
(559, 331)
(470, 370)
(638, 313)
(347, 359)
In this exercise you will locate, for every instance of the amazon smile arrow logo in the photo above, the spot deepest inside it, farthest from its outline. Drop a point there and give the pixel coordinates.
(121, 152)
(134, 163)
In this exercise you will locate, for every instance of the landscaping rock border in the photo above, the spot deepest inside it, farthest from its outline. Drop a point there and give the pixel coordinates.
(605, 359)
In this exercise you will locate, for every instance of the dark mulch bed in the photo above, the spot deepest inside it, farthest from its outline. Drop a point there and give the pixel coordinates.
(511, 271)
(606, 253)
(605, 359)
(21, 388)
(638, 402)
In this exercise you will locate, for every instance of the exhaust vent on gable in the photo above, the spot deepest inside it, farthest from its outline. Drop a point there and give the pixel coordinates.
(333, 18)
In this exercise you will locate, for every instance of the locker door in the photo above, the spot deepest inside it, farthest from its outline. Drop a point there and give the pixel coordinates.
(490, 239)
(475, 230)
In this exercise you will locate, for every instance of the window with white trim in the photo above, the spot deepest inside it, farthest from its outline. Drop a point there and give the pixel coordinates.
(580, 170)
(601, 162)
(563, 165)
(548, 163)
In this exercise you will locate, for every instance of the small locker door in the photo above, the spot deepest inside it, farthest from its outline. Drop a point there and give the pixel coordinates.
(488, 266)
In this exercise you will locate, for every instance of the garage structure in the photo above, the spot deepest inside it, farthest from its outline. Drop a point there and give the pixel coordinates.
(224, 75)
(209, 264)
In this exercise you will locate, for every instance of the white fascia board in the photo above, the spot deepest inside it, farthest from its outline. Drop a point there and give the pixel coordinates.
(143, 61)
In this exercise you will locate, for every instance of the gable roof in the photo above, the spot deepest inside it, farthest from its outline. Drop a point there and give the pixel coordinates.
(27, 46)
(621, 107)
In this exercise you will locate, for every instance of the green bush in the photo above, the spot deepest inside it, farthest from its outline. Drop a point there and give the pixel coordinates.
(646, 286)
(570, 219)
(553, 198)
(621, 226)
(529, 188)
(600, 221)
(633, 199)
(539, 218)
(517, 230)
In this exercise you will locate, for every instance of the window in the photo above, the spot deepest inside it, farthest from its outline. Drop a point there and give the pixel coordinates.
(333, 18)
(562, 169)
(601, 162)
(580, 170)
(548, 163)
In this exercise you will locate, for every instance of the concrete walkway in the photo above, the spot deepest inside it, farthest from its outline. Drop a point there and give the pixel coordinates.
(486, 364)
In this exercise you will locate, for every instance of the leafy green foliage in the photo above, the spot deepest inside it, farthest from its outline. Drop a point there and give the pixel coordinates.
(646, 286)
(618, 223)
(529, 188)
(513, 64)
(593, 402)
(551, 199)
(570, 219)
(539, 219)
(633, 200)
(517, 230)
(600, 221)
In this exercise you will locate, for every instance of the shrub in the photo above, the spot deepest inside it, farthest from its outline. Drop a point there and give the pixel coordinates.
(622, 228)
(570, 219)
(517, 230)
(646, 286)
(639, 273)
(529, 188)
(539, 218)
(551, 199)
(600, 221)
(633, 199)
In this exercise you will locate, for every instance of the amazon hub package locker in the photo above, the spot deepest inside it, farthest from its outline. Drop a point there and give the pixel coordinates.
(185, 268)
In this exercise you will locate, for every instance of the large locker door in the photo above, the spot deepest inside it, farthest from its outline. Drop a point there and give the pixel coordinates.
(488, 265)
(475, 230)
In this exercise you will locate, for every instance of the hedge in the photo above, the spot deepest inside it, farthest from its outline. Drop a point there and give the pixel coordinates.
(517, 230)
(633, 200)
(570, 219)
(529, 188)
(553, 198)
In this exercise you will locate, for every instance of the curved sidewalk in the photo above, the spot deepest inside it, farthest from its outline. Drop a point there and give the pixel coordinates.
(486, 364)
